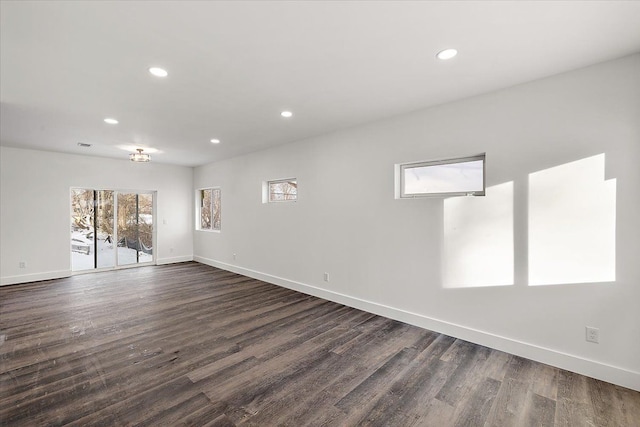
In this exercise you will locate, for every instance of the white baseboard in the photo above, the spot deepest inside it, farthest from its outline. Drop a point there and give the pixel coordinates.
(173, 260)
(24, 278)
(569, 362)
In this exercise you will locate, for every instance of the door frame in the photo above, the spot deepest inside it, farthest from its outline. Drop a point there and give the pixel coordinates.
(154, 229)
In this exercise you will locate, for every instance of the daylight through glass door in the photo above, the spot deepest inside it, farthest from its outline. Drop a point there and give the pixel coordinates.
(110, 228)
(135, 228)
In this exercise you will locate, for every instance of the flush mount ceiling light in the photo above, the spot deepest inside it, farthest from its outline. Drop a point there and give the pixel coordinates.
(215, 141)
(139, 156)
(111, 121)
(158, 72)
(286, 114)
(446, 54)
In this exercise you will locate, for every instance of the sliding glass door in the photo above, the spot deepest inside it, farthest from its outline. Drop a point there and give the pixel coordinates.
(110, 228)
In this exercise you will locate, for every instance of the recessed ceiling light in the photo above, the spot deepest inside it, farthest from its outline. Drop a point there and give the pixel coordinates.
(446, 54)
(111, 121)
(286, 114)
(158, 72)
(215, 141)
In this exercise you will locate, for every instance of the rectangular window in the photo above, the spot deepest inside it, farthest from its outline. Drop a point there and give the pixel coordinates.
(283, 190)
(453, 177)
(210, 208)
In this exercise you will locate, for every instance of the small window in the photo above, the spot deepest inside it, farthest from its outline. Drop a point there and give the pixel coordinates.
(453, 177)
(209, 207)
(282, 190)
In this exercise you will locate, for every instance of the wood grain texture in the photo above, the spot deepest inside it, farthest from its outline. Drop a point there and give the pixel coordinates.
(192, 345)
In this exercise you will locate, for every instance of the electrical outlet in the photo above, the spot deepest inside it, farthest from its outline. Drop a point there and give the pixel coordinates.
(593, 334)
(22, 264)
(326, 277)
(234, 257)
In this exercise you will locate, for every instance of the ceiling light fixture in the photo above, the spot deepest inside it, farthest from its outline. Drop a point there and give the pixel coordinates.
(111, 121)
(158, 72)
(446, 54)
(139, 156)
(84, 145)
(286, 114)
(215, 141)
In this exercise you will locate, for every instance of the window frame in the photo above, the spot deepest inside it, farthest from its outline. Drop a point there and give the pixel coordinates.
(404, 166)
(200, 206)
(267, 188)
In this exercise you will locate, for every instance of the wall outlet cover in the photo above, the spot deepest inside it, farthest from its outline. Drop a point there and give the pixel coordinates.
(593, 334)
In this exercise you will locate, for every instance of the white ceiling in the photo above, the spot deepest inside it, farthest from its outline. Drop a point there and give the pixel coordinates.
(234, 66)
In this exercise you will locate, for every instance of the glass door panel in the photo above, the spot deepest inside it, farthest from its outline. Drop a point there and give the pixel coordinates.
(106, 254)
(82, 229)
(135, 228)
(91, 229)
(127, 228)
(145, 227)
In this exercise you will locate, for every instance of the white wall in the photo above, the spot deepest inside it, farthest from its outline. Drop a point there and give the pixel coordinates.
(385, 255)
(35, 207)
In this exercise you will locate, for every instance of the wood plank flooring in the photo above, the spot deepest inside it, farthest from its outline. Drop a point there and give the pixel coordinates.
(192, 345)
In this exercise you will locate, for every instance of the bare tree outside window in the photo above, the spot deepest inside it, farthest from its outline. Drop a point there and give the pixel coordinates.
(82, 205)
(205, 209)
(210, 209)
(216, 195)
(285, 190)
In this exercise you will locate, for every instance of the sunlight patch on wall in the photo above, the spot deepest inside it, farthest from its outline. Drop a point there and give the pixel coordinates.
(478, 239)
(572, 219)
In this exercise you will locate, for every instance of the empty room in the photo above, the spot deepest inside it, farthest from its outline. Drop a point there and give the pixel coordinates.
(320, 213)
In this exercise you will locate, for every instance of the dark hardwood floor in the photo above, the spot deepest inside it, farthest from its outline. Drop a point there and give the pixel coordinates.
(188, 344)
